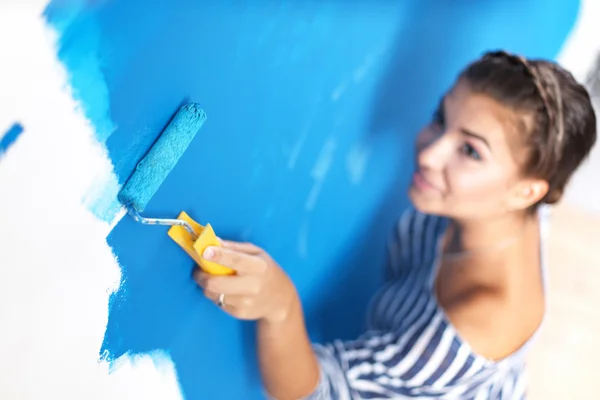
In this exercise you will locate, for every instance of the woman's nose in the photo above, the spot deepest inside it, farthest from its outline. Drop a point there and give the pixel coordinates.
(434, 151)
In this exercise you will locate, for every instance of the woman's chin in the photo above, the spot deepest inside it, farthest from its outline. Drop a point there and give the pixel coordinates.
(424, 202)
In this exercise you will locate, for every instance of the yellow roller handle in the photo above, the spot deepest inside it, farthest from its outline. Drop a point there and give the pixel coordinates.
(206, 238)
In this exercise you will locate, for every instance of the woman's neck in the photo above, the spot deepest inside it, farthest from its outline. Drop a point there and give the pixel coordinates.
(494, 252)
(474, 235)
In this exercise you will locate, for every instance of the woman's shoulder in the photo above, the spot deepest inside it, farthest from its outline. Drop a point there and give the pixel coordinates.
(494, 326)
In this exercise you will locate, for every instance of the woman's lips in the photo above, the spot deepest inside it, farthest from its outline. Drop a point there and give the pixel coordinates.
(421, 183)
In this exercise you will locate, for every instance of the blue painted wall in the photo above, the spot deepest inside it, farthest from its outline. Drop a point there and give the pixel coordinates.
(303, 98)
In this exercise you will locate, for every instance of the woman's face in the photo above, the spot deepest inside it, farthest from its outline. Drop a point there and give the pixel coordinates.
(465, 166)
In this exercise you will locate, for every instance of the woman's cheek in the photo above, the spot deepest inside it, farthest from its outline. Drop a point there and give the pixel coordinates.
(477, 187)
(466, 183)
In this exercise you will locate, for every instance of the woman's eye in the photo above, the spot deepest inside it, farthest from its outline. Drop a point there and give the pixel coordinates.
(470, 151)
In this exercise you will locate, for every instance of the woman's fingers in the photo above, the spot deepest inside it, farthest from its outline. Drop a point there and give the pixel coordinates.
(231, 301)
(241, 307)
(238, 293)
(212, 296)
(241, 262)
(230, 285)
(259, 290)
(247, 248)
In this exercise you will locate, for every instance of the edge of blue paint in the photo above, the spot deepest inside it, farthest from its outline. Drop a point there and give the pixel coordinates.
(10, 137)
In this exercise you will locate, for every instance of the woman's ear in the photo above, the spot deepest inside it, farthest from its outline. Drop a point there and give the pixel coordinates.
(526, 193)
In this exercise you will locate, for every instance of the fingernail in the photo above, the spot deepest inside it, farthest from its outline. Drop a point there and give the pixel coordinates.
(208, 253)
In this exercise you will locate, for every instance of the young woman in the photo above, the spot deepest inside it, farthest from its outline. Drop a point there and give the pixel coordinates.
(467, 289)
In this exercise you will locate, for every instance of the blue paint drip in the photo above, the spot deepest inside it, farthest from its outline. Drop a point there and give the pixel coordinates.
(280, 80)
(10, 137)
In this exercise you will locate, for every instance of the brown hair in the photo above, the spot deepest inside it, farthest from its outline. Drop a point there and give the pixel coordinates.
(554, 113)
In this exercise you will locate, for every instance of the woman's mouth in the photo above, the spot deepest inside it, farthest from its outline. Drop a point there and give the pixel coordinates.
(422, 184)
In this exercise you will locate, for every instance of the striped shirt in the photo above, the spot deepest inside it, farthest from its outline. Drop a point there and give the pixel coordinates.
(411, 350)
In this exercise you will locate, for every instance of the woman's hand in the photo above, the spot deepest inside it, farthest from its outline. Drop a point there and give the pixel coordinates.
(260, 290)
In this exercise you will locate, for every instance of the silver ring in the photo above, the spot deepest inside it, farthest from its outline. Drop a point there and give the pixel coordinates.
(221, 300)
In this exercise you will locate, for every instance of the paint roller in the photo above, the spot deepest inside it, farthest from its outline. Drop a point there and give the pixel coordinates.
(151, 172)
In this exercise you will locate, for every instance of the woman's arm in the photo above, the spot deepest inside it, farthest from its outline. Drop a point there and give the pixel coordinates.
(383, 365)
(262, 291)
(291, 368)
(288, 365)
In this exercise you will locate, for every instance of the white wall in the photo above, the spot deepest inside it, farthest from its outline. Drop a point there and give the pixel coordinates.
(579, 56)
(56, 270)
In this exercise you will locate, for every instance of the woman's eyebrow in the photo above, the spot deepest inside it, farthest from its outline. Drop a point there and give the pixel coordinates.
(476, 136)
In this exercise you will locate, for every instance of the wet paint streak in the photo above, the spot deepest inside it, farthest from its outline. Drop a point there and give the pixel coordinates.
(10, 137)
(257, 69)
(79, 49)
(357, 160)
